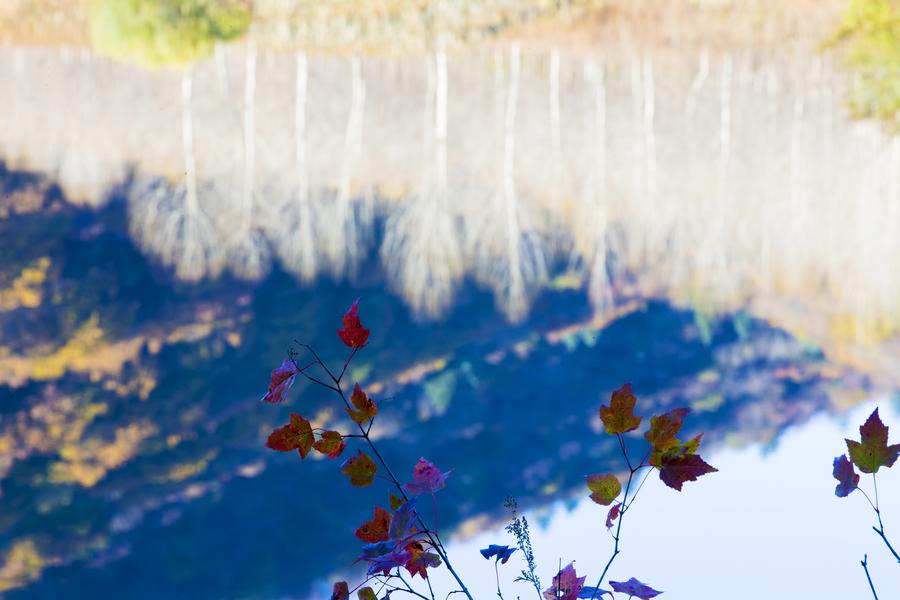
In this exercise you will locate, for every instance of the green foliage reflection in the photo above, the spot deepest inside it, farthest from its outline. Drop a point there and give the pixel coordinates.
(156, 33)
(871, 32)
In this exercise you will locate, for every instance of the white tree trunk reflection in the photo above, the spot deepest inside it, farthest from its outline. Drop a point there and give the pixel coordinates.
(422, 250)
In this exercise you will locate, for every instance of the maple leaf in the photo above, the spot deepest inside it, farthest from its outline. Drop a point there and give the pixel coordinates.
(375, 530)
(847, 478)
(663, 429)
(872, 452)
(366, 409)
(331, 444)
(402, 520)
(427, 478)
(296, 435)
(420, 560)
(689, 447)
(372, 551)
(353, 334)
(340, 591)
(396, 502)
(500, 553)
(613, 514)
(281, 381)
(635, 588)
(385, 563)
(604, 488)
(619, 417)
(360, 469)
(566, 585)
(675, 471)
(366, 593)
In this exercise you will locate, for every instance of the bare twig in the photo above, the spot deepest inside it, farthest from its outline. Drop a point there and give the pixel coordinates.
(880, 529)
(864, 562)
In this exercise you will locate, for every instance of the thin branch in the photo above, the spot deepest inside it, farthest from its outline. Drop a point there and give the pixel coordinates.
(346, 363)
(880, 529)
(864, 562)
(310, 377)
(634, 495)
(316, 356)
(880, 533)
(624, 450)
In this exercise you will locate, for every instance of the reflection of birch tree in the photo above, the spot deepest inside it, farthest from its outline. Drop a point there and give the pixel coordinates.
(293, 224)
(342, 242)
(591, 217)
(422, 249)
(508, 252)
(170, 222)
(248, 252)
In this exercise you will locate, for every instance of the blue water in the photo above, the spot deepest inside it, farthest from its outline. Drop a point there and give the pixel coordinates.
(511, 408)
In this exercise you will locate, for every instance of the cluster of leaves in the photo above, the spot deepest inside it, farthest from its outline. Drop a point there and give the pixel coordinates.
(677, 463)
(870, 30)
(395, 538)
(154, 33)
(869, 454)
(398, 538)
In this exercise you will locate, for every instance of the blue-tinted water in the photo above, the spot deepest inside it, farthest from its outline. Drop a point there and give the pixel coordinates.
(198, 507)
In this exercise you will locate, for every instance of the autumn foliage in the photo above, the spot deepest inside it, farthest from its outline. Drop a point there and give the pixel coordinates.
(397, 539)
(869, 454)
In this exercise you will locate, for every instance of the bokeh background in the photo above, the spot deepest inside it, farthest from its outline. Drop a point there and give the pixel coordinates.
(537, 200)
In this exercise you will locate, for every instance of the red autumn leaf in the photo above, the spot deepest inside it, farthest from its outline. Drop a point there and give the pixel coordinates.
(566, 585)
(847, 478)
(675, 471)
(375, 530)
(613, 514)
(689, 447)
(340, 591)
(420, 560)
(604, 488)
(872, 452)
(296, 435)
(366, 408)
(396, 502)
(353, 334)
(331, 444)
(635, 588)
(281, 381)
(619, 417)
(366, 593)
(427, 478)
(665, 427)
(360, 469)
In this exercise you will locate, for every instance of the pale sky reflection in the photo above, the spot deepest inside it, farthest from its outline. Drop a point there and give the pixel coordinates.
(767, 525)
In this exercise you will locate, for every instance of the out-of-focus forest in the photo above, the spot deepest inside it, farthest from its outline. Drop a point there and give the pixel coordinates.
(528, 194)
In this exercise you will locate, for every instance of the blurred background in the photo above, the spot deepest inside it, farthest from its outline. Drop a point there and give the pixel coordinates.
(537, 200)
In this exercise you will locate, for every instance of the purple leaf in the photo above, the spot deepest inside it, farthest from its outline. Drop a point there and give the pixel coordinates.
(502, 553)
(402, 520)
(427, 478)
(635, 588)
(847, 478)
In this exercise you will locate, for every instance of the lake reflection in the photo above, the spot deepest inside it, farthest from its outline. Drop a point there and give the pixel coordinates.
(527, 228)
